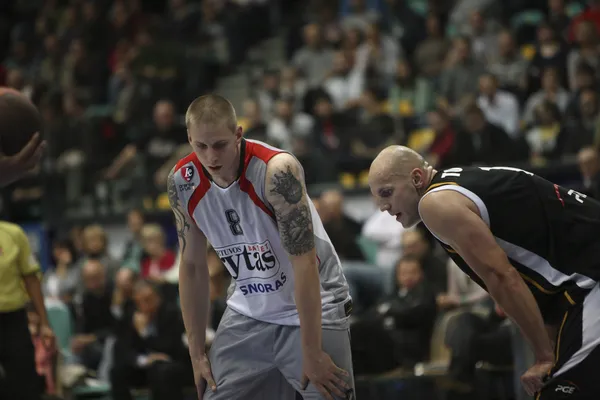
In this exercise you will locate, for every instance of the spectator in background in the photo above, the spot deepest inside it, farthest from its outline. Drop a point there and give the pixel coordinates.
(459, 80)
(95, 247)
(544, 137)
(314, 59)
(439, 150)
(375, 129)
(581, 131)
(358, 14)
(252, 121)
(591, 13)
(330, 129)
(462, 292)
(63, 281)
(589, 166)
(483, 38)
(94, 322)
(587, 50)
(410, 95)
(584, 78)
(404, 25)
(290, 86)
(558, 18)
(344, 84)
(268, 94)
(430, 53)
(384, 233)
(500, 107)
(397, 331)
(134, 249)
(481, 142)
(549, 52)
(416, 243)
(551, 91)
(509, 66)
(82, 70)
(50, 66)
(122, 305)
(150, 351)
(182, 20)
(157, 146)
(378, 55)
(472, 338)
(288, 127)
(158, 258)
(342, 230)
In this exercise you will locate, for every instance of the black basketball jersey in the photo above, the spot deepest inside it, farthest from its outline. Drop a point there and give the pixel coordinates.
(550, 234)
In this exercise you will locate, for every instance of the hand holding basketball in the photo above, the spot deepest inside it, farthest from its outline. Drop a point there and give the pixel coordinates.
(15, 167)
(203, 375)
(324, 374)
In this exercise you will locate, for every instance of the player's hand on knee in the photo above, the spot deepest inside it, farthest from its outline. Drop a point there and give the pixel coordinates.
(533, 378)
(328, 378)
(203, 375)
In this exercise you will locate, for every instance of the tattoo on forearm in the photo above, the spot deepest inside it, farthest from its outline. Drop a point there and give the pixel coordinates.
(180, 219)
(287, 185)
(296, 230)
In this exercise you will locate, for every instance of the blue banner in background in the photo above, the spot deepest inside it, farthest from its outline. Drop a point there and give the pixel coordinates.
(39, 242)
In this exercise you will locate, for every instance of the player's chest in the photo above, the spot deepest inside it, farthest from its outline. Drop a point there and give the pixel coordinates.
(233, 218)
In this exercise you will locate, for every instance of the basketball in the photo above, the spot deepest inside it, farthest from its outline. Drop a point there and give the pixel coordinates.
(19, 121)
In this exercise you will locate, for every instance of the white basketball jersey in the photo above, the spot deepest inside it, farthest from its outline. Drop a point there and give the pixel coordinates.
(241, 226)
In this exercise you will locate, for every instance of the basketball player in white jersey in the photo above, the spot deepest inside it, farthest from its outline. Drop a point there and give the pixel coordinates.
(286, 325)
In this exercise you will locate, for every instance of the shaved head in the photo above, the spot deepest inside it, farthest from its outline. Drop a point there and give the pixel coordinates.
(398, 178)
(395, 162)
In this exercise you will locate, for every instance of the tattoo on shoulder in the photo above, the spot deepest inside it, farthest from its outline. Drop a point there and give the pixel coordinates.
(180, 219)
(296, 230)
(287, 185)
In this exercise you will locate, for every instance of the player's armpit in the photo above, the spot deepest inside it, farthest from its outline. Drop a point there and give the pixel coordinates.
(286, 192)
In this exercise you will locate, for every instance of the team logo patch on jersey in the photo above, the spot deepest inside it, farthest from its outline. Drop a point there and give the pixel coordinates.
(187, 173)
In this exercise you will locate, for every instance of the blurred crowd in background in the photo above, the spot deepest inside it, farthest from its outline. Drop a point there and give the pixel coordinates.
(484, 82)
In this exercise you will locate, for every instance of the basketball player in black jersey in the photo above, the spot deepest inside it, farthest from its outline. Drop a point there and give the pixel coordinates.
(533, 245)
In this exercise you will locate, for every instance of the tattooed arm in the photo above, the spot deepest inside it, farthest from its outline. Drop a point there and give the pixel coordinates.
(286, 192)
(193, 273)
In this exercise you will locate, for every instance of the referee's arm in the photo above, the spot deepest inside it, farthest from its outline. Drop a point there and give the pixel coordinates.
(30, 270)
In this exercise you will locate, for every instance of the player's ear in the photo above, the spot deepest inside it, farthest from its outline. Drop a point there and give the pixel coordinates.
(189, 137)
(239, 133)
(416, 177)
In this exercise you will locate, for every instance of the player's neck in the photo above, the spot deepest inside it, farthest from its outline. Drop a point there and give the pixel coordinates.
(231, 174)
(429, 174)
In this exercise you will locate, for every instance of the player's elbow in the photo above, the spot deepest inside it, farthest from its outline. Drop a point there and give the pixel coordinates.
(502, 275)
(190, 270)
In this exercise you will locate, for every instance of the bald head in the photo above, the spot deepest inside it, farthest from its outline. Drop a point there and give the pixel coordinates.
(398, 178)
(394, 163)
